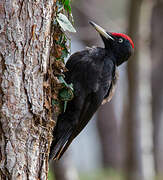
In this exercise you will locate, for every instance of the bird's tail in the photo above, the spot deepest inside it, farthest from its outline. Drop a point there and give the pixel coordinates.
(59, 145)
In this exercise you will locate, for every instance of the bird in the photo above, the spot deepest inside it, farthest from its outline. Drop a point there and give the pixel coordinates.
(93, 73)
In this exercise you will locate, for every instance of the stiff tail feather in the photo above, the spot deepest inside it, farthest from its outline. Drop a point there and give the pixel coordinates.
(58, 145)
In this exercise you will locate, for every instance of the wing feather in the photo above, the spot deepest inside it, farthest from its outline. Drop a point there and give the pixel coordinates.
(91, 75)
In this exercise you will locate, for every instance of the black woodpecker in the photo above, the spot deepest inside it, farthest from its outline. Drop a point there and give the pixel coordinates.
(93, 73)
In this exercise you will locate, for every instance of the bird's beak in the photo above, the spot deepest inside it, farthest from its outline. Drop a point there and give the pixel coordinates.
(101, 31)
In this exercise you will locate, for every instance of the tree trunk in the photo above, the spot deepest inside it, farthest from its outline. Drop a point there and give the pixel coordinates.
(108, 133)
(25, 129)
(157, 79)
(145, 95)
(139, 126)
(64, 169)
(134, 164)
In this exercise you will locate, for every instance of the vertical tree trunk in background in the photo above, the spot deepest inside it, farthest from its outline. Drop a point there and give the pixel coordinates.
(139, 122)
(24, 53)
(134, 164)
(107, 128)
(64, 169)
(157, 85)
(145, 94)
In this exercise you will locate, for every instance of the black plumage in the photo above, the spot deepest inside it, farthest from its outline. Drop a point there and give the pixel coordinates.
(93, 75)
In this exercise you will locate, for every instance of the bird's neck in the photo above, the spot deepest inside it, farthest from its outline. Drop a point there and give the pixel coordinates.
(109, 53)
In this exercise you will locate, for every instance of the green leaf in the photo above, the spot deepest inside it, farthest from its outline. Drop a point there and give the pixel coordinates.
(65, 23)
(67, 5)
(54, 102)
(64, 53)
(66, 94)
(61, 79)
(65, 106)
(60, 6)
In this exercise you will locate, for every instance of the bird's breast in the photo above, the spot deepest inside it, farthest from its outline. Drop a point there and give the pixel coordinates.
(112, 88)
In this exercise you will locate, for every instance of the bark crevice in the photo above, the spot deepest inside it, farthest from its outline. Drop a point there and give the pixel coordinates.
(24, 52)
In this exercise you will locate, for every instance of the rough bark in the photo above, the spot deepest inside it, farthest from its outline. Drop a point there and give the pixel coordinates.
(24, 53)
(157, 79)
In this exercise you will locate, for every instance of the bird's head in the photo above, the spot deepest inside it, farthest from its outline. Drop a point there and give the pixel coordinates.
(119, 44)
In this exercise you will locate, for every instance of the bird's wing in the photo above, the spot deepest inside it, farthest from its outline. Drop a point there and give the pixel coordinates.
(84, 70)
(91, 84)
(99, 87)
(88, 109)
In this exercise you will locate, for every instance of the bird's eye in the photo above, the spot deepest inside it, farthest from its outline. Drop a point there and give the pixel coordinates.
(120, 40)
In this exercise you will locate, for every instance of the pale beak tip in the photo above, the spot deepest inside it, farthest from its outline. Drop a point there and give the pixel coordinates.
(101, 31)
(91, 23)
